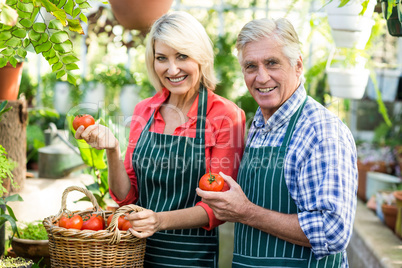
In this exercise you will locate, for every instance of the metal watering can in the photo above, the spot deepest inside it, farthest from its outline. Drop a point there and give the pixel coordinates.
(59, 158)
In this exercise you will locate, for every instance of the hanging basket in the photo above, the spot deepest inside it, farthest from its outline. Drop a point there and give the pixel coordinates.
(86, 248)
(394, 21)
(139, 14)
(10, 79)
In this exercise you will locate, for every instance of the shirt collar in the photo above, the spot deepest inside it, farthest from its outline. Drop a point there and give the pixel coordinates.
(283, 114)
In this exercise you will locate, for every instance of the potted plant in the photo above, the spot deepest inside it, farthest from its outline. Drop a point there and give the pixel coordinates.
(139, 14)
(6, 166)
(392, 10)
(32, 243)
(351, 22)
(22, 31)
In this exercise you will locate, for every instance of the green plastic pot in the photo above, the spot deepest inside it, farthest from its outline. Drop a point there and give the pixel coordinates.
(394, 21)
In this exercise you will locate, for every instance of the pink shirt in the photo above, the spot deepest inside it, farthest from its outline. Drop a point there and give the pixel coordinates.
(224, 138)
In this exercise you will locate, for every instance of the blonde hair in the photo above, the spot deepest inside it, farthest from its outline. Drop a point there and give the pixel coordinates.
(184, 33)
(281, 30)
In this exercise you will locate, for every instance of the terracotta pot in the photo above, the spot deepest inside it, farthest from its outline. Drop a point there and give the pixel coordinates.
(390, 212)
(10, 79)
(32, 249)
(139, 14)
(363, 168)
(398, 224)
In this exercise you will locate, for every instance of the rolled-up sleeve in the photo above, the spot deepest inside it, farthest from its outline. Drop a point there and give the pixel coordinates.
(327, 198)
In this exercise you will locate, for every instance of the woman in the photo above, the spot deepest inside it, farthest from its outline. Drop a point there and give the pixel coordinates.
(176, 136)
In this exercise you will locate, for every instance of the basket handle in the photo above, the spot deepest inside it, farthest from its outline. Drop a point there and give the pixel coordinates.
(82, 190)
(113, 227)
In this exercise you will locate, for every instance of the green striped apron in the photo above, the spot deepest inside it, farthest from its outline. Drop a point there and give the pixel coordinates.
(168, 169)
(261, 176)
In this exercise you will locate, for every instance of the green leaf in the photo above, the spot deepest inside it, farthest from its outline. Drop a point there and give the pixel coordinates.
(71, 79)
(69, 59)
(55, 24)
(64, 48)
(21, 52)
(59, 37)
(13, 198)
(68, 7)
(84, 18)
(44, 38)
(75, 26)
(25, 7)
(24, 15)
(39, 27)
(7, 52)
(61, 3)
(49, 54)
(80, 1)
(72, 66)
(49, 6)
(34, 36)
(13, 61)
(13, 42)
(84, 5)
(61, 16)
(5, 35)
(26, 42)
(43, 47)
(3, 62)
(76, 12)
(60, 74)
(26, 23)
(53, 60)
(20, 33)
(57, 66)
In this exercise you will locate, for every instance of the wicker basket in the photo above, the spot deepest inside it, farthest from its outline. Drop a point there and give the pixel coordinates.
(86, 248)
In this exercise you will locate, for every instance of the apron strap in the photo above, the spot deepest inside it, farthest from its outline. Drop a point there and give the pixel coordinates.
(202, 112)
(292, 124)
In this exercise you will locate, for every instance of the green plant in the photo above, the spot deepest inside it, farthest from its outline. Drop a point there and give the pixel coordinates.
(6, 167)
(10, 262)
(33, 231)
(49, 38)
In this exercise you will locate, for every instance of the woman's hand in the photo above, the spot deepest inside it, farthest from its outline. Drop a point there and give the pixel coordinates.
(144, 223)
(97, 136)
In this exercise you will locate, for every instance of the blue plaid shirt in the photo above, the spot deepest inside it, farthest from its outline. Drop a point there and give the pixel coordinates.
(320, 170)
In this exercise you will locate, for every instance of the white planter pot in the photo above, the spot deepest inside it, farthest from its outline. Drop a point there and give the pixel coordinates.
(95, 94)
(129, 97)
(61, 100)
(388, 83)
(377, 181)
(349, 29)
(347, 83)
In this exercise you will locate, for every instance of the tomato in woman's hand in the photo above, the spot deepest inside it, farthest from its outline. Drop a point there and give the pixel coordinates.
(71, 222)
(211, 182)
(83, 120)
(120, 222)
(93, 222)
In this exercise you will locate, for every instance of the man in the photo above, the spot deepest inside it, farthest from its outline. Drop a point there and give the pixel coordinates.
(295, 197)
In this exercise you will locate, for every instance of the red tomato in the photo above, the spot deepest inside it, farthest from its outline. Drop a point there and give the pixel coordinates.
(127, 225)
(120, 222)
(83, 120)
(211, 182)
(93, 222)
(71, 222)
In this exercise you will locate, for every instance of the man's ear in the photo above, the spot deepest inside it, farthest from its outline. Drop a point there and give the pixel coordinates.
(299, 66)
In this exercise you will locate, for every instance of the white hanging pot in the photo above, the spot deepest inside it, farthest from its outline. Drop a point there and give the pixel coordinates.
(129, 97)
(349, 29)
(346, 83)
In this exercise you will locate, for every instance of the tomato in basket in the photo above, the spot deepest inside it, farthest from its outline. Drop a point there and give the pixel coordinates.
(93, 222)
(71, 222)
(122, 224)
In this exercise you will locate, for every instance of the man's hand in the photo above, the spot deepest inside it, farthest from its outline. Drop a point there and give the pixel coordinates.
(231, 205)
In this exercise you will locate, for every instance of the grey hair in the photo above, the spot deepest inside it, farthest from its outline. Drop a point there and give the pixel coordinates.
(280, 30)
(184, 33)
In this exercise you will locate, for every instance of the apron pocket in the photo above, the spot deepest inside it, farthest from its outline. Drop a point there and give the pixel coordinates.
(248, 261)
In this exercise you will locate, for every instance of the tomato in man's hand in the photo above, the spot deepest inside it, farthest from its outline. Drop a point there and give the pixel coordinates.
(93, 222)
(211, 182)
(127, 225)
(83, 120)
(71, 222)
